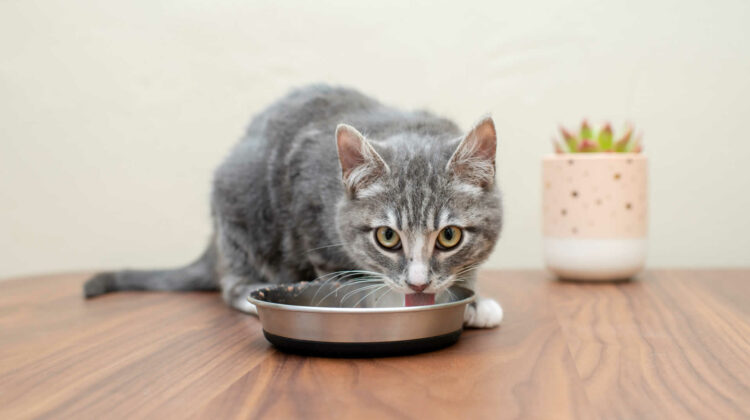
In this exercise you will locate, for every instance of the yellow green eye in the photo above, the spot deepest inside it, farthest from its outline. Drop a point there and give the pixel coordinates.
(449, 237)
(387, 237)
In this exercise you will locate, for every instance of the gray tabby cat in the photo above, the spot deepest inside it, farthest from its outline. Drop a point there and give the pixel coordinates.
(412, 201)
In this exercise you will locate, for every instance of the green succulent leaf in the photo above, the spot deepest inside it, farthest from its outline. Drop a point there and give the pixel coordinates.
(623, 143)
(586, 133)
(605, 138)
(569, 139)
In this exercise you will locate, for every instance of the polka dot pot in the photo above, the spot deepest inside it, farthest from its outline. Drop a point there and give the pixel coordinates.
(595, 212)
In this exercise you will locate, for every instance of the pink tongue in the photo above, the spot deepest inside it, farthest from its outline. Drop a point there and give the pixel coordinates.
(419, 299)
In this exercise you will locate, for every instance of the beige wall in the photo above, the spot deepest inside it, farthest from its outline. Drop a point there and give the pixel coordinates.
(113, 114)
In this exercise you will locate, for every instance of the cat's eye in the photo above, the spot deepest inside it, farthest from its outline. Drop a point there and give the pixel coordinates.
(448, 238)
(388, 238)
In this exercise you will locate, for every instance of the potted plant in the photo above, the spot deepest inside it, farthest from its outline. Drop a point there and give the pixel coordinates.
(595, 206)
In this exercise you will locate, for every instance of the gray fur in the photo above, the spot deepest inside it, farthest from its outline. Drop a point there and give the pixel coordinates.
(281, 212)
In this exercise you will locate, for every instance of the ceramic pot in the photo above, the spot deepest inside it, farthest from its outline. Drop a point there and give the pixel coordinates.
(595, 211)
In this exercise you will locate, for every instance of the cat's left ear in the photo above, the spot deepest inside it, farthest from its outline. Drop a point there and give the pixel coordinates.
(474, 158)
(361, 165)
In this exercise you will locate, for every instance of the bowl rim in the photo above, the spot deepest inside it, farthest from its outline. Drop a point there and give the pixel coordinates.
(352, 311)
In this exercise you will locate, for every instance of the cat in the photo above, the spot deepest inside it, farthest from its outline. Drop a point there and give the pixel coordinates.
(404, 195)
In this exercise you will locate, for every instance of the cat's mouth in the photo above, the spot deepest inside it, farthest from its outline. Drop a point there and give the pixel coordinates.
(419, 299)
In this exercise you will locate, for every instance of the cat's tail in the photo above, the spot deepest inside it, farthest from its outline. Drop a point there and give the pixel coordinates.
(200, 275)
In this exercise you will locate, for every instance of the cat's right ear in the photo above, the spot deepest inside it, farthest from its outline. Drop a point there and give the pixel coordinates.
(474, 159)
(361, 165)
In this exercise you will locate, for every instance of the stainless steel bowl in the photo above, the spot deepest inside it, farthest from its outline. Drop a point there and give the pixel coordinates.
(352, 320)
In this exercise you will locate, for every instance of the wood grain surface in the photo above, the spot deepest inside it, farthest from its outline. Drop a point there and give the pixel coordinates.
(671, 344)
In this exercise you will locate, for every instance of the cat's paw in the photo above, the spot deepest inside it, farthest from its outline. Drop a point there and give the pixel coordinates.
(235, 293)
(245, 306)
(239, 301)
(484, 313)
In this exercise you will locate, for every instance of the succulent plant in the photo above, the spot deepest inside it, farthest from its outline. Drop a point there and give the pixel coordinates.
(589, 141)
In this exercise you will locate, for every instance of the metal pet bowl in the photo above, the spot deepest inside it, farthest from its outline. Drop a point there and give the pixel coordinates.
(351, 320)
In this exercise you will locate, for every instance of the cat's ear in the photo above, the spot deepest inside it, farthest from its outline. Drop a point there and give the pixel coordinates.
(361, 165)
(474, 158)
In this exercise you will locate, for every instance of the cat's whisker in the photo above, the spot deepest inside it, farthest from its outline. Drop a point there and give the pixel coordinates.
(472, 266)
(325, 282)
(453, 296)
(363, 280)
(361, 289)
(340, 276)
(467, 269)
(325, 278)
(387, 290)
(324, 247)
(356, 290)
(335, 290)
(324, 297)
(368, 294)
(336, 273)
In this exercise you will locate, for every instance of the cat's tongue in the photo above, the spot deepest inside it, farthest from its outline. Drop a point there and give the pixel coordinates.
(419, 299)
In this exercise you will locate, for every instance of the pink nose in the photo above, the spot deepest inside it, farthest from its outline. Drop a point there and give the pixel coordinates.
(417, 287)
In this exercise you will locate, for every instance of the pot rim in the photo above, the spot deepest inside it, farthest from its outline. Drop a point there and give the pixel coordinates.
(593, 156)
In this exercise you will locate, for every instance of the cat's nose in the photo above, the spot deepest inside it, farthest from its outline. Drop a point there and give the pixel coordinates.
(418, 287)
(418, 278)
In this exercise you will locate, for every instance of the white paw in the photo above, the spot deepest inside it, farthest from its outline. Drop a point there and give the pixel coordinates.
(235, 294)
(244, 306)
(486, 313)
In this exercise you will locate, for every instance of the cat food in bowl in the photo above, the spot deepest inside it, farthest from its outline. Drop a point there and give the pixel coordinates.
(352, 320)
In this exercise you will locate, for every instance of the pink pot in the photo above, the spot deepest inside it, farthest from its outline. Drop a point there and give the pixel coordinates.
(595, 214)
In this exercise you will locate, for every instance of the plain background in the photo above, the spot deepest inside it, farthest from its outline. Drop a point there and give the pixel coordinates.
(114, 114)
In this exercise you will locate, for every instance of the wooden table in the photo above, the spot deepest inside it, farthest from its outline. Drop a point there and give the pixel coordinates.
(673, 344)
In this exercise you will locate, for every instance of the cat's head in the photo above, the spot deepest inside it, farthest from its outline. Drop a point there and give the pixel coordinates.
(422, 211)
